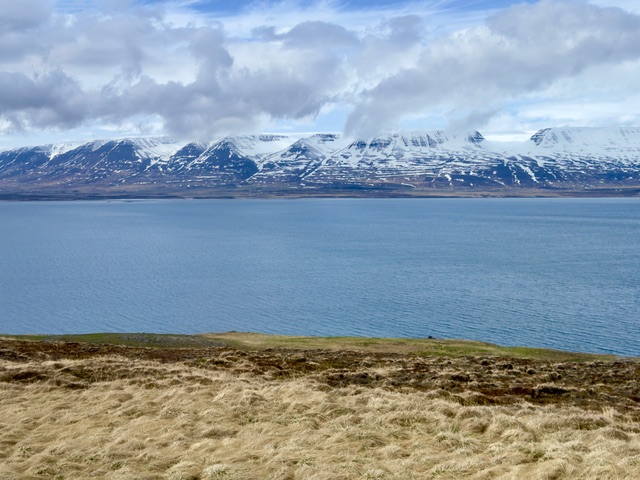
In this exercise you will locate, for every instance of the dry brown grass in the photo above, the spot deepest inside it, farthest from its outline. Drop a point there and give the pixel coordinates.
(129, 417)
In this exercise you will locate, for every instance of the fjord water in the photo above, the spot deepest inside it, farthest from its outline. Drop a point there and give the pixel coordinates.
(559, 273)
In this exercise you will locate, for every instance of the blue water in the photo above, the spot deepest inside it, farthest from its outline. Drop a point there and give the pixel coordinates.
(560, 273)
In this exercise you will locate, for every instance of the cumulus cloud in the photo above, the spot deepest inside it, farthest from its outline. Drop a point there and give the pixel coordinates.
(49, 100)
(520, 50)
(311, 35)
(66, 70)
(25, 14)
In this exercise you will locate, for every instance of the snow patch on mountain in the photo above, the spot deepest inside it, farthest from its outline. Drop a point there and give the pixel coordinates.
(259, 146)
(155, 149)
(60, 148)
(590, 141)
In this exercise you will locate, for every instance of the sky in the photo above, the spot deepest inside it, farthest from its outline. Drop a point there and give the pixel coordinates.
(76, 70)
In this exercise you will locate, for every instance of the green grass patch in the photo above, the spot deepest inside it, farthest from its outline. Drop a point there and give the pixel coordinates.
(259, 341)
(462, 348)
(418, 346)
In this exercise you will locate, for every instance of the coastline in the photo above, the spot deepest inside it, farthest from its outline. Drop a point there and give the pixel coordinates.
(252, 406)
(240, 193)
(525, 370)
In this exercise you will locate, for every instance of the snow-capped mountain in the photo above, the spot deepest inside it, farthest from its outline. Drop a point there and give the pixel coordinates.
(554, 159)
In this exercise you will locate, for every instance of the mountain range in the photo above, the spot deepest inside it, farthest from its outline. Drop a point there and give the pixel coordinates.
(554, 161)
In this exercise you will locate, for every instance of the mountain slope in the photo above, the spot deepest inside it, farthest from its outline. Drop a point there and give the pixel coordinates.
(552, 160)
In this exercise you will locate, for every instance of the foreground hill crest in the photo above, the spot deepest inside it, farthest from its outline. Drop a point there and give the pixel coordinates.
(552, 160)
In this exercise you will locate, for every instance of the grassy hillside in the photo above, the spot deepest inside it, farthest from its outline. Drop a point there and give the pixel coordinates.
(249, 406)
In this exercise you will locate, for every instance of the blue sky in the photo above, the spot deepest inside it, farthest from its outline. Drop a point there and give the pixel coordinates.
(237, 6)
(72, 70)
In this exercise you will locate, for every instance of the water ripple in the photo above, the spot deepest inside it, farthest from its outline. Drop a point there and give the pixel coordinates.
(561, 273)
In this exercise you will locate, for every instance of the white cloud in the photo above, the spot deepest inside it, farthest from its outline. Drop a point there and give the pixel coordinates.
(123, 64)
(523, 49)
(632, 6)
(24, 15)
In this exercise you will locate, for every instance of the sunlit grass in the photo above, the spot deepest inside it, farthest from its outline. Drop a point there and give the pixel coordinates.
(118, 418)
(425, 346)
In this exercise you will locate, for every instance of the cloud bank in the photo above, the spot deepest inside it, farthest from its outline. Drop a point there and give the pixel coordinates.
(198, 75)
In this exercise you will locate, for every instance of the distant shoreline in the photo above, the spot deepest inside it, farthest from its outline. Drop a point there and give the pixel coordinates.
(257, 195)
(261, 341)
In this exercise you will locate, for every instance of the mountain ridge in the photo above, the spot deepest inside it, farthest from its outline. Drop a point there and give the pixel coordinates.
(557, 160)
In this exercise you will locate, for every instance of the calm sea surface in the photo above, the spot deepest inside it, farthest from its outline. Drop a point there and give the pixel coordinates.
(560, 273)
